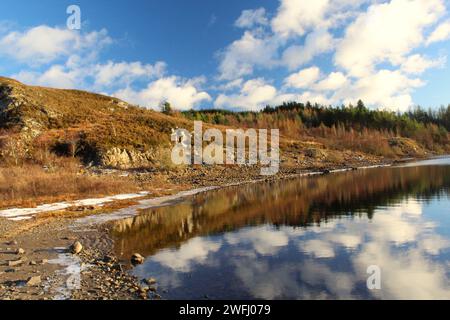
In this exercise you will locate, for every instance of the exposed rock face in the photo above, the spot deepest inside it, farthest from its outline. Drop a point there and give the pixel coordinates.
(31, 129)
(4, 100)
(6, 104)
(128, 159)
(125, 159)
(13, 102)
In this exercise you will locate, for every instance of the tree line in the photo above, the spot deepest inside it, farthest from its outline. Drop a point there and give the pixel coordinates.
(428, 127)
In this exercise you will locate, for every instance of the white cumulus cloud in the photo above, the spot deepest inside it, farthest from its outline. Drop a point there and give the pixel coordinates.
(126, 72)
(240, 58)
(333, 81)
(385, 89)
(416, 64)
(182, 94)
(317, 42)
(254, 95)
(441, 33)
(303, 79)
(251, 18)
(387, 32)
(43, 44)
(296, 17)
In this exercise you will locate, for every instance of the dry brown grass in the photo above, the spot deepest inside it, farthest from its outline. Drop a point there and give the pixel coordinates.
(30, 184)
(82, 123)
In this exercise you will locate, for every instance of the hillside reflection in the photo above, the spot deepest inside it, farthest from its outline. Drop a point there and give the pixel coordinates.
(297, 203)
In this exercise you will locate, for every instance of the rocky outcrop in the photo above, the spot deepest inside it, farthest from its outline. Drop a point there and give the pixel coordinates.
(124, 159)
(129, 159)
(6, 104)
(4, 98)
(13, 103)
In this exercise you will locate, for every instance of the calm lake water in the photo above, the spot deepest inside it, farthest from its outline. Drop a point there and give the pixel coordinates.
(306, 238)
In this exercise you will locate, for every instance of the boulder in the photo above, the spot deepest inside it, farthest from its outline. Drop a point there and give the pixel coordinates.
(136, 259)
(15, 263)
(150, 281)
(76, 247)
(34, 281)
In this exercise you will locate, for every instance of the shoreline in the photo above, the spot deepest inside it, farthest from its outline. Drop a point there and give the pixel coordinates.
(97, 273)
(21, 213)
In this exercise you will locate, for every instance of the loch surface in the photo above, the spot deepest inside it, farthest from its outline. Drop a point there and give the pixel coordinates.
(304, 238)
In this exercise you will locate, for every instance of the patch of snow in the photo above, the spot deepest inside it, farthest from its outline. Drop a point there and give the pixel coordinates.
(18, 214)
(21, 218)
(72, 270)
(134, 210)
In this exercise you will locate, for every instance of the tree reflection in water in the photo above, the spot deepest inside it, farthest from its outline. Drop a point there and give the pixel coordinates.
(301, 238)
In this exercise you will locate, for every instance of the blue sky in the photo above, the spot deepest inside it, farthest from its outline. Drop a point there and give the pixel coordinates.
(234, 54)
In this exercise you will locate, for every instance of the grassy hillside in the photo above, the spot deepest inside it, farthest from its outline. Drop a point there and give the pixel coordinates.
(76, 123)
